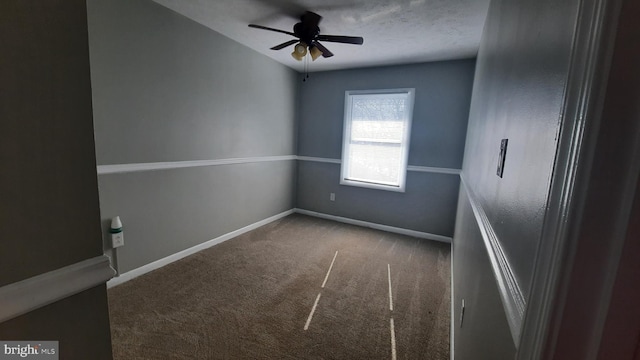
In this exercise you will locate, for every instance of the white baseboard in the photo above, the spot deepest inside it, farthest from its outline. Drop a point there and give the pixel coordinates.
(453, 314)
(418, 234)
(192, 250)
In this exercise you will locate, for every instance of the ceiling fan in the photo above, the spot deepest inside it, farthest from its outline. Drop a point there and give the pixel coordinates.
(308, 36)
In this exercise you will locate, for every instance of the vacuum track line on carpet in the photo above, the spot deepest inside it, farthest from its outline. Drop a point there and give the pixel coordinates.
(393, 340)
(313, 310)
(329, 272)
(390, 292)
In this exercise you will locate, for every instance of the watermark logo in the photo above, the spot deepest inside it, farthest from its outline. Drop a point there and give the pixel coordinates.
(29, 350)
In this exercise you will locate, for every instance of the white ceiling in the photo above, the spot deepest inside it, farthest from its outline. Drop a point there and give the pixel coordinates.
(394, 31)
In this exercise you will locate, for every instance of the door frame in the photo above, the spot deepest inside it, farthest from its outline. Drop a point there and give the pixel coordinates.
(563, 246)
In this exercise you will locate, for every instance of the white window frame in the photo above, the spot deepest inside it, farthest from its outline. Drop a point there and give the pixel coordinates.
(346, 139)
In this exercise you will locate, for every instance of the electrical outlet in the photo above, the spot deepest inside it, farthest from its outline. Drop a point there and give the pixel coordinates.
(462, 313)
(332, 196)
(117, 240)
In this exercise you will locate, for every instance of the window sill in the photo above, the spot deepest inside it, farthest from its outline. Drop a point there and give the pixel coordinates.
(375, 186)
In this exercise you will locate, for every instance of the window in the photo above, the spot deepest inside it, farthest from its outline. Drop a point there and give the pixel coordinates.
(377, 125)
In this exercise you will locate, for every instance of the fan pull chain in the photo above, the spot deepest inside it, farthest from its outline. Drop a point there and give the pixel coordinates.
(305, 76)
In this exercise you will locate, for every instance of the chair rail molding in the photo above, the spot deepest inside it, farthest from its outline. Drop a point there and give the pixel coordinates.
(35, 292)
(513, 300)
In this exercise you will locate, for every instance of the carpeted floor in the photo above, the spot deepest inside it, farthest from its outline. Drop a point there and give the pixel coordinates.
(251, 297)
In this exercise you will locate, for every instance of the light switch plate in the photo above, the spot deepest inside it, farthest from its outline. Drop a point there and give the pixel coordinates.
(501, 158)
(462, 313)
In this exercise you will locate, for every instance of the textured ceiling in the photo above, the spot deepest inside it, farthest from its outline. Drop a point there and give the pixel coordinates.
(395, 32)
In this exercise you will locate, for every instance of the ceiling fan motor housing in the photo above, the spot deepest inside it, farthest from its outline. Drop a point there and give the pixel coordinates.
(306, 32)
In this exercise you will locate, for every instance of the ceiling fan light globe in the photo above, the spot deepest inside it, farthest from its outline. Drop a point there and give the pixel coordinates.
(299, 51)
(315, 53)
(296, 56)
(301, 48)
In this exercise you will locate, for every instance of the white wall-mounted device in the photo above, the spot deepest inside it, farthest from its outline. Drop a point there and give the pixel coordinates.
(117, 237)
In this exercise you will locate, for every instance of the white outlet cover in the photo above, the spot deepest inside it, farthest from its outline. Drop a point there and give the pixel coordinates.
(117, 240)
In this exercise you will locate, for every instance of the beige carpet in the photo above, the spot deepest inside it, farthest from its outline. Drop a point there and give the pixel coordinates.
(250, 298)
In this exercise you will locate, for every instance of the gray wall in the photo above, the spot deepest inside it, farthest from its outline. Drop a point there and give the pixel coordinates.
(167, 211)
(166, 88)
(518, 94)
(485, 324)
(49, 213)
(443, 91)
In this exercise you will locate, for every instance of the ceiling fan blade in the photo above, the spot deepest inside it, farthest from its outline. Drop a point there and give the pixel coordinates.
(285, 44)
(325, 52)
(271, 29)
(356, 40)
